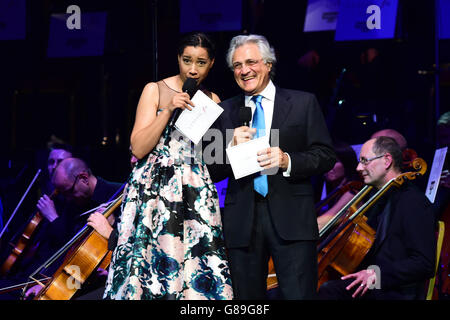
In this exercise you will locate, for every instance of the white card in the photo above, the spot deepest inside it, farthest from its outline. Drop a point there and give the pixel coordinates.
(194, 123)
(243, 157)
(435, 173)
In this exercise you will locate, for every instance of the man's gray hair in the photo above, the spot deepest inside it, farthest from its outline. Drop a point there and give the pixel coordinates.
(267, 52)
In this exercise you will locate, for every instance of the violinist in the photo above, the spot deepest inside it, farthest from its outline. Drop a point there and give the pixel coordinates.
(82, 191)
(342, 173)
(46, 205)
(58, 152)
(402, 256)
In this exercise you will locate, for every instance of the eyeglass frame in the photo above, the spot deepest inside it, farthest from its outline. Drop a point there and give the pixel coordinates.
(365, 162)
(70, 190)
(249, 63)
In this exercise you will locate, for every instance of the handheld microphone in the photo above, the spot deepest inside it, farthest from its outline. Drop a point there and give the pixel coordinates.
(245, 115)
(190, 87)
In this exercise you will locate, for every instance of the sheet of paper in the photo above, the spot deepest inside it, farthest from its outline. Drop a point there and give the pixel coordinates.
(435, 173)
(243, 157)
(194, 123)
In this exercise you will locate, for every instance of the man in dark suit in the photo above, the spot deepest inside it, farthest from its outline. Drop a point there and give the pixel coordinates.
(272, 215)
(403, 254)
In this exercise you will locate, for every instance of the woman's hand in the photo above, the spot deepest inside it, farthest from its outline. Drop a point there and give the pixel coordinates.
(181, 100)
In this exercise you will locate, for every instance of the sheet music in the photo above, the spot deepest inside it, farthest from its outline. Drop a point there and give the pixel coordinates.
(435, 173)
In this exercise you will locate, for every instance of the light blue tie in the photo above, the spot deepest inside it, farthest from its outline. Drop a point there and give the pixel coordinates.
(260, 182)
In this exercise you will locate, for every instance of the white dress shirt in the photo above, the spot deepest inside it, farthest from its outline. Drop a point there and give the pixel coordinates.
(267, 103)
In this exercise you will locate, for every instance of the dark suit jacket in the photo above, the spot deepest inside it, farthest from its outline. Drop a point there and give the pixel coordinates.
(304, 136)
(405, 248)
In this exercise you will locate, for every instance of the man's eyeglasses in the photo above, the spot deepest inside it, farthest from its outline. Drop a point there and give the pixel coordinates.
(365, 161)
(248, 63)
(70, 190)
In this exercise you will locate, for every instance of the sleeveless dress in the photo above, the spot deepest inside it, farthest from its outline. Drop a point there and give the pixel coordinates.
(170, 243)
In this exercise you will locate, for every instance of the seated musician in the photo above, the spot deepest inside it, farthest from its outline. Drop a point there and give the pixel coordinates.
(58, 152)
(82, 191)
(394, 134)
(404, 249)
(342, 173)
(46, 205)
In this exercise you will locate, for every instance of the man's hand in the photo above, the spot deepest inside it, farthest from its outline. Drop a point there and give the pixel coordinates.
(33, 291)
(445, 179)
(242, 134)
(273, 157)
(365, 279)
(46, 206)
(100, 224)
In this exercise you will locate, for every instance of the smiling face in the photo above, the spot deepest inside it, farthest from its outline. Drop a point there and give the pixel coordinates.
(194, 63)
(250, 71)
(374, 172)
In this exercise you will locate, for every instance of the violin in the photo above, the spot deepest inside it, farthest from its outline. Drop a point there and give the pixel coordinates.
(23, 243)
(88, 252)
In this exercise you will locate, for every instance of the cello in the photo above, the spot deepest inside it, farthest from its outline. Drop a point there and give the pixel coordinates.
(342, 249)
(88, 252)
(345, 248)
(272, 281)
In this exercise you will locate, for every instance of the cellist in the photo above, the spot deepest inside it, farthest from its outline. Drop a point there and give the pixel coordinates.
(402, 257)
(46, 205)
(83, 190)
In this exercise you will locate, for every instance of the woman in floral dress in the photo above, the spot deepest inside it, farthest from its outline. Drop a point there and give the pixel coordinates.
(170, 243)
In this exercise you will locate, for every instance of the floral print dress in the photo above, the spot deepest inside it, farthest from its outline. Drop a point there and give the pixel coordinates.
(170, 243)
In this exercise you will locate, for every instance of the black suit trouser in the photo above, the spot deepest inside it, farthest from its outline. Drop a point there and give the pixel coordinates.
(295, 262)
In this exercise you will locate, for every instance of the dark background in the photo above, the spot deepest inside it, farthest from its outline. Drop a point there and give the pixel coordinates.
(90, 102)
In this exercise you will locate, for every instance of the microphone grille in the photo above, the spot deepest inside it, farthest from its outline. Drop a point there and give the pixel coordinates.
(190, 86)
(245, 114)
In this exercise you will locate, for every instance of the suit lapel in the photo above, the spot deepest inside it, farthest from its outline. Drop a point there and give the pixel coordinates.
(384, 224)
(234, 112)
(281, 108)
